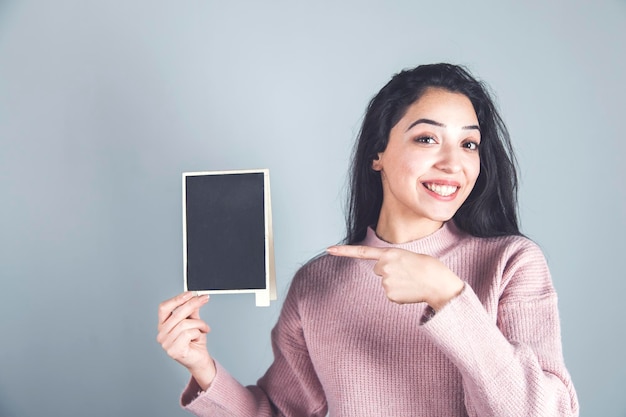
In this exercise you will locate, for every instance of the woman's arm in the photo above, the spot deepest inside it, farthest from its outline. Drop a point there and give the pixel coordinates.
(182, 334)
(510, 368)
(289, 387)
(515, 366)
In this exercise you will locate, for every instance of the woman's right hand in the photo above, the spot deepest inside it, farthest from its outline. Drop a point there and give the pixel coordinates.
(182, 334)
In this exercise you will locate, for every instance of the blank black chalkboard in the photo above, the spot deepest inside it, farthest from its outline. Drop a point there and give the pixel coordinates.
(227, 232)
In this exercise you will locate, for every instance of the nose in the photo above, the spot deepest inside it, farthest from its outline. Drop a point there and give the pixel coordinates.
(449, 159)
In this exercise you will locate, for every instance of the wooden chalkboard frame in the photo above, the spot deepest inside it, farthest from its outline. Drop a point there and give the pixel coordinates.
(209, 199)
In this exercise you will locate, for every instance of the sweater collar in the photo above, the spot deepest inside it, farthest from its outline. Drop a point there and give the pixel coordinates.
(435, 244)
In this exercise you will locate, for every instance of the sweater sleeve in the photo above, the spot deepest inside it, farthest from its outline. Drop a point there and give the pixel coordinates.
(290, 387)
(515, 366)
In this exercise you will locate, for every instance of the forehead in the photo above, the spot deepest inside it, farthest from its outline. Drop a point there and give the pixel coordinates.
(446, 107)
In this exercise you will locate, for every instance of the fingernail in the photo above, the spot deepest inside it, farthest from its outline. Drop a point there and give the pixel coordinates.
(332, 249)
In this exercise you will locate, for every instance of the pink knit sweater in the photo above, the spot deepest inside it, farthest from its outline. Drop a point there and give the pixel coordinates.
(342, 348)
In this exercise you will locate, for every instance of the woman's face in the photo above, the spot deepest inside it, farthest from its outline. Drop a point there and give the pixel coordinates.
(431, 162)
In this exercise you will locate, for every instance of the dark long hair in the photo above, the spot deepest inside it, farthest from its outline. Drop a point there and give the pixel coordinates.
(491, 207)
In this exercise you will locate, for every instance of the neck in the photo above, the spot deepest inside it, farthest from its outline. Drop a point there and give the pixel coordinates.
(398, 231)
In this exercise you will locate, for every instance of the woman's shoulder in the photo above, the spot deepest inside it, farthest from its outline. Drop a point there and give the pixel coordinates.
(518, 262)
(325, 273)
(508, 253)
(322, 265)
(506, 245)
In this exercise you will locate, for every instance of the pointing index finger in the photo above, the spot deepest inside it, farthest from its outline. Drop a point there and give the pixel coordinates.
(356, 251)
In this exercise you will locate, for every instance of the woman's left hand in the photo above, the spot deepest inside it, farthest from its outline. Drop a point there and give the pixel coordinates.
(408, 277)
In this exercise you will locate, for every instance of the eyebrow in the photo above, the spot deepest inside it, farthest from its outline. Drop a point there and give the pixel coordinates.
(434, 123)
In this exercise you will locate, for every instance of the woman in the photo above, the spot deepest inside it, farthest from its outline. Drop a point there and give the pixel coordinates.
(437, 305)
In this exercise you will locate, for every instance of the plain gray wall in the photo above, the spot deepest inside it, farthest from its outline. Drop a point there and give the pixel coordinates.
(104, 103)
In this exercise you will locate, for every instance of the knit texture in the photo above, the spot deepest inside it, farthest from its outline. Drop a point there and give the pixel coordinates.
(342, 348)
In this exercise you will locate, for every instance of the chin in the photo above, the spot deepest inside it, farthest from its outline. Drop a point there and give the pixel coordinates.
(443, 217)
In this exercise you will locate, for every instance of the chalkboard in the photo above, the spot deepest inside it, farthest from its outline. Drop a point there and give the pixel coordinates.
(228, 242)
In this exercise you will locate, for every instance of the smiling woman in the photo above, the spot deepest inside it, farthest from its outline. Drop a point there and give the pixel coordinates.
(429, 167)
(436, 306)
(491, 207)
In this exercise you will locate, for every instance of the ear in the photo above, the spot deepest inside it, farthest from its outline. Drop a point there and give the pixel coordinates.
(377, 163)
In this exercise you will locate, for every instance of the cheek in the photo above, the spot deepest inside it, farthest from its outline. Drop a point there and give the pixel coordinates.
(414, 164)
(476, 171)
(473, 169)
(406, 166)
(399, 165)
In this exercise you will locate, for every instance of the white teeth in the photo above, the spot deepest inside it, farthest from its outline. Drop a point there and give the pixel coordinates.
(442, 190)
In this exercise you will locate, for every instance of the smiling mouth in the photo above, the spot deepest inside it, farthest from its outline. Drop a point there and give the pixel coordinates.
(442, 190)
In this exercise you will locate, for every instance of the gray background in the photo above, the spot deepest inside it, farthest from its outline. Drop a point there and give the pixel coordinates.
(104, 104)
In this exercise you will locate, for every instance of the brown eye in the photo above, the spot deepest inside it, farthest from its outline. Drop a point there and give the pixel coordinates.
(472, 146)
(425, 139)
